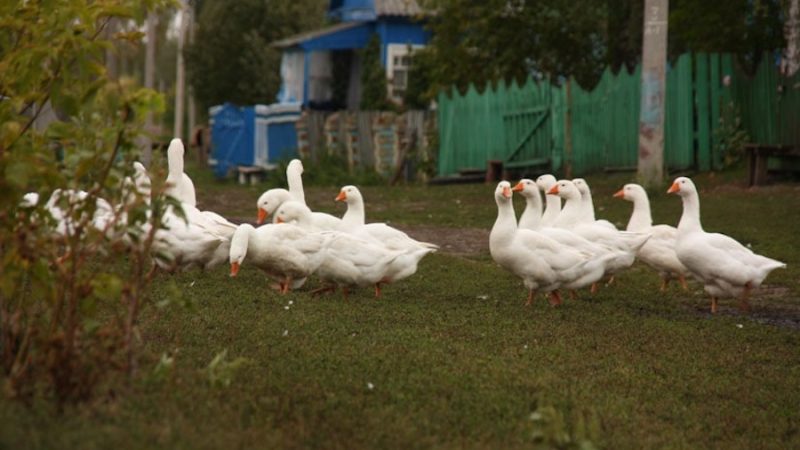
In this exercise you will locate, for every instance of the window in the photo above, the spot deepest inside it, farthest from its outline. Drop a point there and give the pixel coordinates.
(398, 64)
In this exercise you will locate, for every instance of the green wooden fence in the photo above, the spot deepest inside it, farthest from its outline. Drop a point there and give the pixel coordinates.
(707, 96)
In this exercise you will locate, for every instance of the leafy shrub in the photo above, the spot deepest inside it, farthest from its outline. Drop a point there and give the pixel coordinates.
(70, 296)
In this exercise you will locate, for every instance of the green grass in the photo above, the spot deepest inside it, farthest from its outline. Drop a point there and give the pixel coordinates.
(454, 358)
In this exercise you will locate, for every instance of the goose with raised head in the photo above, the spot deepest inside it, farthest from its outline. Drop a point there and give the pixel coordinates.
(294, 178)
(543, 264)
(285, 252)
(628, 243)
(354, 221)
(659, 251)
(724, 266)
(587, 205)
(179, 185)
(552, 202)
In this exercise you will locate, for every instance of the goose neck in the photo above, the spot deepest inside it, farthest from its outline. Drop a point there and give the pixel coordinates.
(640, 218)
(690, 219)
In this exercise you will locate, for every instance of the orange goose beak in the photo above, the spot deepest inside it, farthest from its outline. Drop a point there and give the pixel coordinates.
(620, 193)
(553, 190)
(234, 268)
(341, 197)
(262, 216)
(518, 188)
(674, 188)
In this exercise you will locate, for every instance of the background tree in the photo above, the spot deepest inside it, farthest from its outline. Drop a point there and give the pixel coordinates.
(374, 94)
(480, 42)
(232, 58)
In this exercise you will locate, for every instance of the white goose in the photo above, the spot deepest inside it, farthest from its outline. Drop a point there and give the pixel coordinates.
(405, 257)
(587, 204)
(294, 211)
(269, 202)
(271, 199)
(179, 185)
(659, 251)
(283, 251)
(351, 261)
(543, 264)
(353, 221)
(724, 266)
(553, 202)
(294, 178)
(530, 220)
(195, 238)
(571, 219)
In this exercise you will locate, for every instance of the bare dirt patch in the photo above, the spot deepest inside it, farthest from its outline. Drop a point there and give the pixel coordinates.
(455, 241)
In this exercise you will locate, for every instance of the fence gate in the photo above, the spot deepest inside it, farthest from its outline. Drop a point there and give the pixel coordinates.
(529, 138)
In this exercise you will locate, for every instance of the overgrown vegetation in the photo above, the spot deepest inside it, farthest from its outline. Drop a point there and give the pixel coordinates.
(69, 307)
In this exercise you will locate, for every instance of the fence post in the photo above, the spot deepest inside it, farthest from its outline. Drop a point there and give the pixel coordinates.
(568, 129)
(702, 112)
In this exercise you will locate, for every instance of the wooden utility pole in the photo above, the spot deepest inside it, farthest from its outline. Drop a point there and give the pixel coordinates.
(149, 79)
(190, 35)
(651, 116)
(180, 91)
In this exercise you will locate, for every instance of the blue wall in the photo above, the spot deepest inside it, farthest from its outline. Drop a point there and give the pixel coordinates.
(232, 137)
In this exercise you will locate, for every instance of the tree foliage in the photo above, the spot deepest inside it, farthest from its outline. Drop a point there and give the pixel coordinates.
(480, 42)
(232, 59)
(69, 299)
(374, 95)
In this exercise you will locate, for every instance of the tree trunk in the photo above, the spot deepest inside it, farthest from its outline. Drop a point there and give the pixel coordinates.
(177, 130)
(149, 78)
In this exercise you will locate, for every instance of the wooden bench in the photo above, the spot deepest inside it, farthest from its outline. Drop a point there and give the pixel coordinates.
(251, 174)
(758, 156)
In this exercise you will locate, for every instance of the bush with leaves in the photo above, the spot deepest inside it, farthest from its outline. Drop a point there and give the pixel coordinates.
(70, 295)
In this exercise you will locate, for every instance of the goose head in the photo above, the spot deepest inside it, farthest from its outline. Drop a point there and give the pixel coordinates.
(565, 189)
(682, 186)
(292, 211)
(582, 185)
(269, 202)
(296, 166)
(545, 182)
(527, 188)
(175, 153)
(631, 192)
(141, 179)
(238, 249)
(502, 194)
(349, 194)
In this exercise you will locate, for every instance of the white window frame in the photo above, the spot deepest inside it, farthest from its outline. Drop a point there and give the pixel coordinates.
(393, 51)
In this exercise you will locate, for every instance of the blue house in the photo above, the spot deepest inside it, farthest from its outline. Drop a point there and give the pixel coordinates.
(320, 69)
(318, 63)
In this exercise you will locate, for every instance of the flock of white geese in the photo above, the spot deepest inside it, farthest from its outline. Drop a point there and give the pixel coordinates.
(568, 248)
(550, 247)
(342, 252)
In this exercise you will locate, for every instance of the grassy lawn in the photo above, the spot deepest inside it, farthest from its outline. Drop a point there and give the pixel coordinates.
(451, 357)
